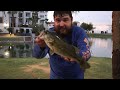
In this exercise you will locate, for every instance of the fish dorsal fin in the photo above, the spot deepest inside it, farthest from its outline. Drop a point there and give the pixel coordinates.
(58, 37)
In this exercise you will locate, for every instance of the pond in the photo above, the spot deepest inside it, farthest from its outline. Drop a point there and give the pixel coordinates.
(99, 48)
(19, 50)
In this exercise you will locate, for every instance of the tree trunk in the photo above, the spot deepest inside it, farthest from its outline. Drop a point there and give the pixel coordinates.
(13, 21)
(116, 44)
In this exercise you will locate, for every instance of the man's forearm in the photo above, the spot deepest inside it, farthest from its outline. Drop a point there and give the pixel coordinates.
(39, 52)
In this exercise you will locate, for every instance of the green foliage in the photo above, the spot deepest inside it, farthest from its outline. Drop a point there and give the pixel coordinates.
(75, 23)
(37, 28)
(100, 35)
(87, 26)
(9, 29)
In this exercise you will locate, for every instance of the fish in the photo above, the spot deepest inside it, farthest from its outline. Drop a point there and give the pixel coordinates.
(59, 46)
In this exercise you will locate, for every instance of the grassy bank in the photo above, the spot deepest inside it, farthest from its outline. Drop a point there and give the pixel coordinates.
(100, 35)
(31, 68)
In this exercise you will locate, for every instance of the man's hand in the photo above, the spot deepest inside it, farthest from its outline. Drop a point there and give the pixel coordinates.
(69, 59)
(40, 41)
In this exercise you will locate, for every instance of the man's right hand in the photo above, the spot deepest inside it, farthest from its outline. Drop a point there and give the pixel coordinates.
(40, 41)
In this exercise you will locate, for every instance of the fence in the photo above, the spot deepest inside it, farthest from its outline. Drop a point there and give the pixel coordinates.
(17, 39)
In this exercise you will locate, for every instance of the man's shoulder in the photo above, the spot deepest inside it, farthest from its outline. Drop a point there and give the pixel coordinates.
(78, 29)
(51, 29)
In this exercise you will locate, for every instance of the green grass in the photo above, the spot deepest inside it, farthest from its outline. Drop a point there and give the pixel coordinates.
(101, 68)
(12, 68)
(100, 35)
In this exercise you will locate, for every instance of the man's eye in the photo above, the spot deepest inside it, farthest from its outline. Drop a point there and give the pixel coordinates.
(65, 20)
(58, 20)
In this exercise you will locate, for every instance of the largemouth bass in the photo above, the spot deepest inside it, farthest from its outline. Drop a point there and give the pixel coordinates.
(62, 48)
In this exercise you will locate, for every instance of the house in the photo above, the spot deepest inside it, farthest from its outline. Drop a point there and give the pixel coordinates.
(21, 19)
(50, 24)
(4, 22)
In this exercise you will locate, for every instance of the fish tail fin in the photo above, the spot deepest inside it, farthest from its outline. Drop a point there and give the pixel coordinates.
(83, 64)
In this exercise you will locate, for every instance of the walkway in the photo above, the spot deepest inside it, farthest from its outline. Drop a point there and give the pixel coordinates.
(7, 35)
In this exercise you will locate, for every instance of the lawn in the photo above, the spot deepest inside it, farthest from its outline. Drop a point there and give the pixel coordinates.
(31, 68)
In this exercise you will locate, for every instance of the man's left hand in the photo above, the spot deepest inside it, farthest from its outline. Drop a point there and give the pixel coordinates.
(69, 59)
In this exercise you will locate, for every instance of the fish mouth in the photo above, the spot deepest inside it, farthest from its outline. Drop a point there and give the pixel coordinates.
(46, 31)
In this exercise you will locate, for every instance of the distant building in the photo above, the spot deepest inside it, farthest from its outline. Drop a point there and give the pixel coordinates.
(4, 22)
(50, 24)
(102, 27)
(21, 19)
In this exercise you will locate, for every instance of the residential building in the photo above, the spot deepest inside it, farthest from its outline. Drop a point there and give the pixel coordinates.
(50, 24)
(4, 22)
(21, 20)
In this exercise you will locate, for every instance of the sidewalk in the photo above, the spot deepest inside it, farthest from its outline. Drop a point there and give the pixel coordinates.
(7, 35)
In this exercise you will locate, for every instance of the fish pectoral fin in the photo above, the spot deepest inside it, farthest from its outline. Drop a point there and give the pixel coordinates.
(76, 49)
(51, 52)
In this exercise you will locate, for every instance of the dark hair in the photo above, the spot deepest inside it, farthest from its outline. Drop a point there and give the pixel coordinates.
(62, 12)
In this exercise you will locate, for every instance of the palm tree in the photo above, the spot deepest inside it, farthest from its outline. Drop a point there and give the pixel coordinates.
(36, 27)
(116, 44)
(12, 18)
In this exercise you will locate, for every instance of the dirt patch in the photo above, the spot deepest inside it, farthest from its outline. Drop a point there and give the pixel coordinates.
(94, 63)
(30, 68)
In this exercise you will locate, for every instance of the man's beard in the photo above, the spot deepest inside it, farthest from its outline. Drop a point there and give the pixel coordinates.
(63, 31)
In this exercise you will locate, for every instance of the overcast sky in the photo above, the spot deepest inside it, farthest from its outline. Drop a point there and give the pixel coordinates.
(100, 19)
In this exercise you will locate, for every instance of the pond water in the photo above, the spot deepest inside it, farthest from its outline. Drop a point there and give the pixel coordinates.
(99, 48)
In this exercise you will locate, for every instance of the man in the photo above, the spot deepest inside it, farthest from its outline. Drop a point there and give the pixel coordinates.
(60, 67)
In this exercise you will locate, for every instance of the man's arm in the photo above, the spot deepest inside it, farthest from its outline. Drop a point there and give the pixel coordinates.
(39, 52)
(83, 45)
(40, 49)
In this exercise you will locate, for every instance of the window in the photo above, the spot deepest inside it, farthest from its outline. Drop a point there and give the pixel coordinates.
(20, 20)
(41, 16)
(27, 14)
(1, 19)
(20, 14)
(27, 31)
(27, 21)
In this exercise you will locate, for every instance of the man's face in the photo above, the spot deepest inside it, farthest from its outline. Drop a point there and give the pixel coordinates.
(62, 24)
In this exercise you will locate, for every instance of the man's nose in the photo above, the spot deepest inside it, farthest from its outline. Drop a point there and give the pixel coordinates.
(61, 23)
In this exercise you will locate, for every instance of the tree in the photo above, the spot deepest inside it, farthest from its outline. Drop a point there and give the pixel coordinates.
(87, 27)
(84, 25)
(90, 26)
(116, 44)
(75, 23)
(12, 18)
(36, 27)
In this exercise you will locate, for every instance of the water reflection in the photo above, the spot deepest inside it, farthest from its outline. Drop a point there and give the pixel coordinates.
(101, 47)
(19, 50)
